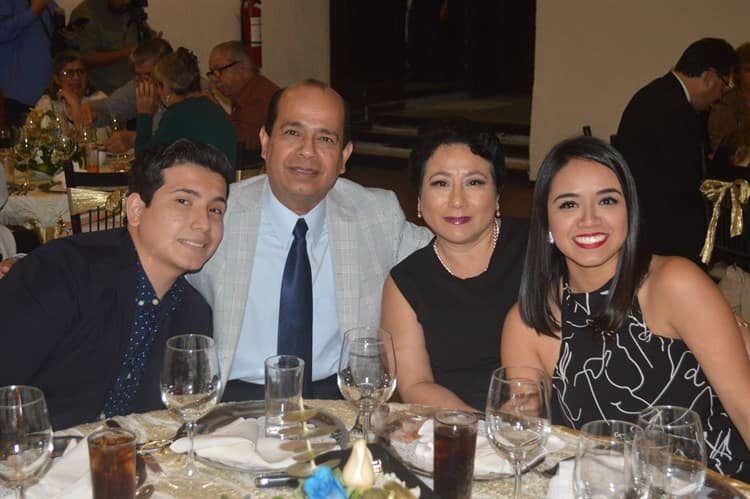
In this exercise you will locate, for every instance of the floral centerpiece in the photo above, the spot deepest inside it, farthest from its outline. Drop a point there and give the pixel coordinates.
(357, 480)
(49, 143)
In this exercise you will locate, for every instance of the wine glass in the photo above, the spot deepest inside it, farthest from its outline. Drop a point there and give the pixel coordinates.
(24, 150)
(603, 466)
(367, 372)
(25, 435)
(518, 415)
(64, 146)
(190, 383)
(671, 453)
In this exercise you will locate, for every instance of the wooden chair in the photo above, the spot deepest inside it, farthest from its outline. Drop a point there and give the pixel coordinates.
(96, 200)
(249, 163)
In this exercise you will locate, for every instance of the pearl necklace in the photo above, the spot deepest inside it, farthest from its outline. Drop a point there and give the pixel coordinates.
(495, 234)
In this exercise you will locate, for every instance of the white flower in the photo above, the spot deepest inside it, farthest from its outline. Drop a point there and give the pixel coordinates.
(358, 472)
(46, 120)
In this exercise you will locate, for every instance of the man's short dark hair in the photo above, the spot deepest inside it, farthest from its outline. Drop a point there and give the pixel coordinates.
(705, 54)
(273, 108)
(146, 173)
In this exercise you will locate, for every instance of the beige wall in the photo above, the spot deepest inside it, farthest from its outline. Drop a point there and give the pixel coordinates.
(593, 55)
(295, 32)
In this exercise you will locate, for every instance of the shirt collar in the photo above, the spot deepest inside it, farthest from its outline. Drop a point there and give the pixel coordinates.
(283, 220)
(682, 84)
(145, 296)
(246, 92)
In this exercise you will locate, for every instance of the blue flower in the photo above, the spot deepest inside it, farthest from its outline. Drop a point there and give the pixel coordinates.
(323, 485)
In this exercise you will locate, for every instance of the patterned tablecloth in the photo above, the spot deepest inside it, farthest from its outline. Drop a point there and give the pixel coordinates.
(229, 484)
(36, 210)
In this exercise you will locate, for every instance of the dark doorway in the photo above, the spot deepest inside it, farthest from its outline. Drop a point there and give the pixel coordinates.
(395, 49)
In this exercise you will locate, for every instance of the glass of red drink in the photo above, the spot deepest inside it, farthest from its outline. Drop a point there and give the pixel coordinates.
(453, 462)
(112, 460)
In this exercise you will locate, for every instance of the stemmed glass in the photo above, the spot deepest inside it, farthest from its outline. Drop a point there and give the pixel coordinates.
(64, 146)
(25, 435)
(604, 457)
(671, 453)
(190, 383)
(518, 415)
(24, 149)
(367, 372)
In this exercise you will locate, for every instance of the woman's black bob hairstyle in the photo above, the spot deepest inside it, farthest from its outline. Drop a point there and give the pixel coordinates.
(480, 139)
(545, 266)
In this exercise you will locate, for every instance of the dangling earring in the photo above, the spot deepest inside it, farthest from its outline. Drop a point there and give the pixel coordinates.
(497, 212)
(550, 238)
(419, 213)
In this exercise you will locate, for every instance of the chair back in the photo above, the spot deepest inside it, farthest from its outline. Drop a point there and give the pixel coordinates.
(249, 162)
(96, 200)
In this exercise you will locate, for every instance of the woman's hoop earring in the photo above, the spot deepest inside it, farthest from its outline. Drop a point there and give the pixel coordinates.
(550, 238)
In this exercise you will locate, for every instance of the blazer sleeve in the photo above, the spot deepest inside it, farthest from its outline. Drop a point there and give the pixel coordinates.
(38, 306)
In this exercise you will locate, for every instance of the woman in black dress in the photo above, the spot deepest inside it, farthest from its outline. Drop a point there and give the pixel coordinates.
(616, 329)
(445, 304)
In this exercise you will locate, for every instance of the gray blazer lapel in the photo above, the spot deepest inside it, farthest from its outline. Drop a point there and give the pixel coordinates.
(233, 279)
(343, 240)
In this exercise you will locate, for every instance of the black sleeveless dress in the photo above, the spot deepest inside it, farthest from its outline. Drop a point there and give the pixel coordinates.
(616, 377)
(462, 319)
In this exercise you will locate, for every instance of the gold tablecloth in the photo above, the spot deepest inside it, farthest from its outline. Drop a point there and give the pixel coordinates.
(239, 485)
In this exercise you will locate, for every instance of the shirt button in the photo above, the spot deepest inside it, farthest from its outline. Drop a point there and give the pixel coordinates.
(155, 301)
(141, 303)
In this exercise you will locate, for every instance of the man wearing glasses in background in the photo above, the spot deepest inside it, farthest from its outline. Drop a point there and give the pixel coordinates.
(122, 100)
(662, 135)
(235, 75)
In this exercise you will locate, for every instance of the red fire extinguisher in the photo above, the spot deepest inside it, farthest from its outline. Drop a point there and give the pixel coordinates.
(251, 31)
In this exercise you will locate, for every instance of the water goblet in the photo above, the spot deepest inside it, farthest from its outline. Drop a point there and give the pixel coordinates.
(25, 435)
(670, 452)
(367, 372)
(603, 466)
(518, 415)
(190, 385)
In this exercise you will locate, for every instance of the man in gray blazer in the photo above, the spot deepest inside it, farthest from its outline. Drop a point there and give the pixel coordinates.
(352, 236)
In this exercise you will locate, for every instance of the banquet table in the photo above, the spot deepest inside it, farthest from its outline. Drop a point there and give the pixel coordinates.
(38, 210)
(227, 484)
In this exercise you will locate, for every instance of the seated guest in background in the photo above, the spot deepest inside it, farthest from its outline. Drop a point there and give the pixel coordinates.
(348, 236)
(85, 318)
(122, 100)
(69, 87)
(662, 136)
(445, 304)
(731, 115)
(189, 112)
(617, 329)
(107, 40)
(235, 75)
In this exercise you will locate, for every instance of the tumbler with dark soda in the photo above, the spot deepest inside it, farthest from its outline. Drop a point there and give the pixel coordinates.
(112, 460)
(453, 462)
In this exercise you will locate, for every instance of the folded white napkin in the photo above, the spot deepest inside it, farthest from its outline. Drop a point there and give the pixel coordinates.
(486, 459)
(561, 485)
(68, 477)
(240, 443)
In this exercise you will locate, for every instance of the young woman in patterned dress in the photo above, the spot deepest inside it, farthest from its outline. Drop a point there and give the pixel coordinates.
(616, 329)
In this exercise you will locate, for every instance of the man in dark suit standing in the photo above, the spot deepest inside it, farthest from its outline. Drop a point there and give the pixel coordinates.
(662, 135)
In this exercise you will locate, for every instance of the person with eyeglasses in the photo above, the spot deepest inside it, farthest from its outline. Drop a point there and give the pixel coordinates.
(69, 86)
(233, 72)
(122, 100)
(662, 135)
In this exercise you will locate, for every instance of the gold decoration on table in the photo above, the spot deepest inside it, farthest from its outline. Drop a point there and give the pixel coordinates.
(715, 191)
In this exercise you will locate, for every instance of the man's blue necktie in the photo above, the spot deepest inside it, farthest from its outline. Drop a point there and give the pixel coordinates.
(296, 305)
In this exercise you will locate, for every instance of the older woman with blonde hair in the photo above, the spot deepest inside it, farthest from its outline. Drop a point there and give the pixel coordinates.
(189, 112)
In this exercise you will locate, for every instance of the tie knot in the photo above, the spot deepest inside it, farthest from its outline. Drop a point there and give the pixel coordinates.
(300, 229)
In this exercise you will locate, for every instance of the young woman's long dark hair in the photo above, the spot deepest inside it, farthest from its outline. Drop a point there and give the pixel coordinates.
(545, 266)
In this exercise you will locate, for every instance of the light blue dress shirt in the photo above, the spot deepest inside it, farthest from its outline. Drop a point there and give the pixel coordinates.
(260, 325)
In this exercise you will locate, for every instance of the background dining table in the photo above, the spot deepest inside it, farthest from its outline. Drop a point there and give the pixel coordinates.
(226, 484)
